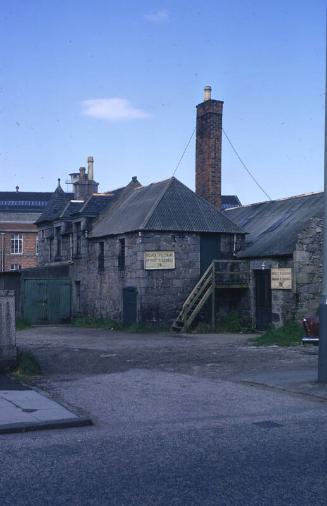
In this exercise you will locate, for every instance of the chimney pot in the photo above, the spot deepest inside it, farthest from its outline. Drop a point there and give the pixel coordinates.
(17, 188)
(134, 179)
(207, 93)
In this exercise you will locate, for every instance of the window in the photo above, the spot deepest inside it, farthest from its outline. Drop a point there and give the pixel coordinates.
(121, 255)
(58, 242)
(36, 245)
(15, 267)
(101, 257)
(16, 246)
(78, 295)
(50, 249)
(78, 231)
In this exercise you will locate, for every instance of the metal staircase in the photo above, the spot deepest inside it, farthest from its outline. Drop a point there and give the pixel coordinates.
(220, 274)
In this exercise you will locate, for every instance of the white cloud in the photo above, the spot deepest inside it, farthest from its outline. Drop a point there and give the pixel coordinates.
(157, 16)
(113, 109)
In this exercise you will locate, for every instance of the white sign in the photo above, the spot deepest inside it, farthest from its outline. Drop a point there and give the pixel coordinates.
(159, 260)
(281, 279)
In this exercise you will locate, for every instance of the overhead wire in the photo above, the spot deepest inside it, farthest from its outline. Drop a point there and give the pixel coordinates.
(245, 167)
(181, 158)
(236, 153)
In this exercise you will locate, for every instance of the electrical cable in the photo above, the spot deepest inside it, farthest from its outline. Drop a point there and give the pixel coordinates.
(181, 158)
(247, 170)
(236, 153)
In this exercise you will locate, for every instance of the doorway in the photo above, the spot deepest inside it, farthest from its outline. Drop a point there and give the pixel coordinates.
(263, 313)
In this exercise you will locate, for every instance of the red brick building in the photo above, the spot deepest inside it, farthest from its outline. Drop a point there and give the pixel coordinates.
(18, 233)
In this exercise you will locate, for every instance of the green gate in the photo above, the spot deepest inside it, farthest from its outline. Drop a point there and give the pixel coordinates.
(46, 301)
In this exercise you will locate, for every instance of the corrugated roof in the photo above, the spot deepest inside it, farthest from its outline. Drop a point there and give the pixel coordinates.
(273, 226)
(165, 206)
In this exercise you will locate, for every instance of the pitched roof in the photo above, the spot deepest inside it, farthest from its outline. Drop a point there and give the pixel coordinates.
(55, 206)
(228, 201)
(24, 201)
(273, 226)
(95, 204)
(165, 206)
(72, 207)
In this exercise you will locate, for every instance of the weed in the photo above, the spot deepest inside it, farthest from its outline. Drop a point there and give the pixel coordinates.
(27, 365)
(288, 335)
(96, 323)
(22, 324)
(141, 328)
(233, 322)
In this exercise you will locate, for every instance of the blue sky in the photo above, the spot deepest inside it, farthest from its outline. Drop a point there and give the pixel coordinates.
(120, 81)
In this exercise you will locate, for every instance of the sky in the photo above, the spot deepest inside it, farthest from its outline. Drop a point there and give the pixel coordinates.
(120, 81)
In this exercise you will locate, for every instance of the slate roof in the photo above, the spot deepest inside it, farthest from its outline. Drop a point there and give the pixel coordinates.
(228, 201)
(23, 202)
(56, 205)
(165, 206)
(273, 226)
(72, 207)
(95, 204)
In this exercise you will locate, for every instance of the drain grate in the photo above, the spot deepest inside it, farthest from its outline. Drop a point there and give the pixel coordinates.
(268, 424)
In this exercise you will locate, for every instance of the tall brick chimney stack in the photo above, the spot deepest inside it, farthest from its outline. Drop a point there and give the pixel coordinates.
(209, 115)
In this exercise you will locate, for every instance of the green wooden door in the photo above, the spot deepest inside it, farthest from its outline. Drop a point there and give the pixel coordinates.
(47, 301)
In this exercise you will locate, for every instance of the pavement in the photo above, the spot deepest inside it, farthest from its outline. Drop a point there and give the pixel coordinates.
(25, 409)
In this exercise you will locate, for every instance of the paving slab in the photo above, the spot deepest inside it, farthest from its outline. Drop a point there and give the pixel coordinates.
(300, 382)
(24, 409)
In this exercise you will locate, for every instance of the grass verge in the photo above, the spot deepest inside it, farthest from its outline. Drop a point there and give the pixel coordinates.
(288, 335)
(96, 323)
(232, 323)
(99, 323)
(22, 324)
(27, 365)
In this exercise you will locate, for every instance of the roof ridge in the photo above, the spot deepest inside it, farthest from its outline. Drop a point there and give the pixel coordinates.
(158, 200)
(64, 209)
(277, 200)
(216, 209)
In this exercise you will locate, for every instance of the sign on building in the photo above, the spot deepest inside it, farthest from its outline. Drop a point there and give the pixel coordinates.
(159, 260)
(281, 279)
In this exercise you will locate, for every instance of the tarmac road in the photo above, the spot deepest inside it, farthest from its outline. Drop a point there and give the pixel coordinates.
(195, 420)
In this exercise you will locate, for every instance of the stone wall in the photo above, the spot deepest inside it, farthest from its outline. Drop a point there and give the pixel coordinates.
(161, 293)
(8, 350)
(308, 268)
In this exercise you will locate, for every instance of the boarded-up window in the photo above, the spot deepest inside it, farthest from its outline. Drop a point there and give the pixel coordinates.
(121, 255)
(101, 257)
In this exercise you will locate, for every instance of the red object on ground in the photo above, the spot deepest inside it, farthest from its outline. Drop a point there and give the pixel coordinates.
(311, 326)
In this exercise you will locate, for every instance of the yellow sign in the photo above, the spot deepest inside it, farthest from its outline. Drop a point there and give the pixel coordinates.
(159, 260)
(281, 279)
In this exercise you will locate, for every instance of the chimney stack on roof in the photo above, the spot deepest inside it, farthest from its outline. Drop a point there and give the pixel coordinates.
(90, 168)
(83, 183)
(209, 117)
